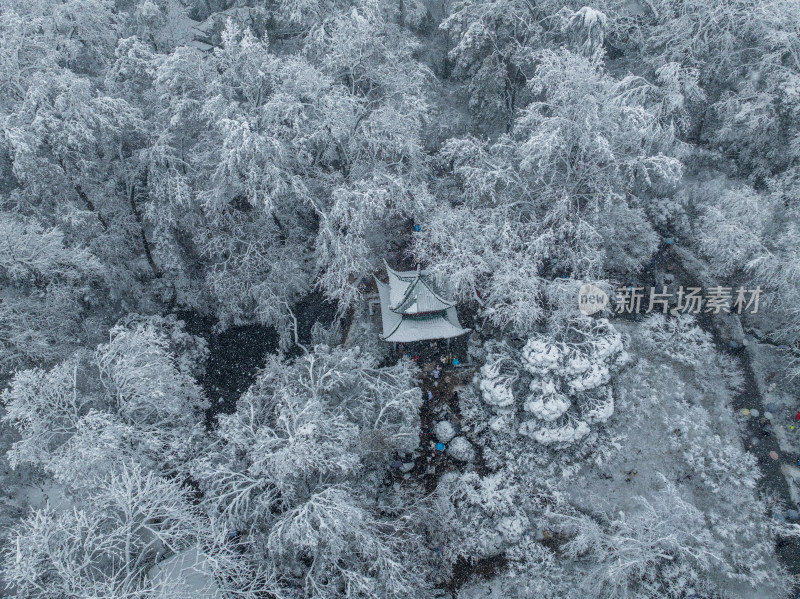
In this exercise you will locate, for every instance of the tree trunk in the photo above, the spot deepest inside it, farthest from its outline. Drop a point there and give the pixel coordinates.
(145, 244)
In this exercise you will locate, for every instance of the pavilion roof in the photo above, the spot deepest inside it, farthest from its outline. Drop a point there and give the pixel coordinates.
(414, 309)
(415, 292)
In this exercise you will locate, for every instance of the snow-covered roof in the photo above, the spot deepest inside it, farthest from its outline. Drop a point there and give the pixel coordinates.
(414, 292)
(399, 321)
(185, 575)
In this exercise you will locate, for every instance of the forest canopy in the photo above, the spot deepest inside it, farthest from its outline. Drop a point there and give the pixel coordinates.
(196, 197)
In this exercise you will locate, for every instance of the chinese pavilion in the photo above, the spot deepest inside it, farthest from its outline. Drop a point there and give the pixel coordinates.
(413, 308)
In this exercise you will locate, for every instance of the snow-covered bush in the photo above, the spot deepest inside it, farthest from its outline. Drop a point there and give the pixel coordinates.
(562, 383)
(497, 379)
(479, 516)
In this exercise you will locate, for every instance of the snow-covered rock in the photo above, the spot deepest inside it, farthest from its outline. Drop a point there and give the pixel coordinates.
(444, 431)
(460, 449)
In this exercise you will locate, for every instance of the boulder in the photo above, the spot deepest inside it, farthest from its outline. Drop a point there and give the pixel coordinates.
(444, 431)
(460, 449)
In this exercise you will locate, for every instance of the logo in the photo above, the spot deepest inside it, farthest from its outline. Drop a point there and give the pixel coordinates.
(591, 299)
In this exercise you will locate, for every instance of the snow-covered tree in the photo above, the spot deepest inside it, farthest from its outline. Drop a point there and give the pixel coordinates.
(586, 28)
(315, 422)
(732, 229)
(334, 545)
(553, 194)
(228, 205)
(661, 546)
(300, 462)
(374, 163)
(555, 389)
(143, 172)
(492, 54)
(678, 447)
(484, 515)
(130, 403)
(105, 547)
(48, 288)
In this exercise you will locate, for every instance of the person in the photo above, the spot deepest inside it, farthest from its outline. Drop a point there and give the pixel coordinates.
(430, 395)
(436, 373)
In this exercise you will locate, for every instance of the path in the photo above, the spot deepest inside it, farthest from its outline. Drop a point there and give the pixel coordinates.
(430, 463)
(773, 483)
